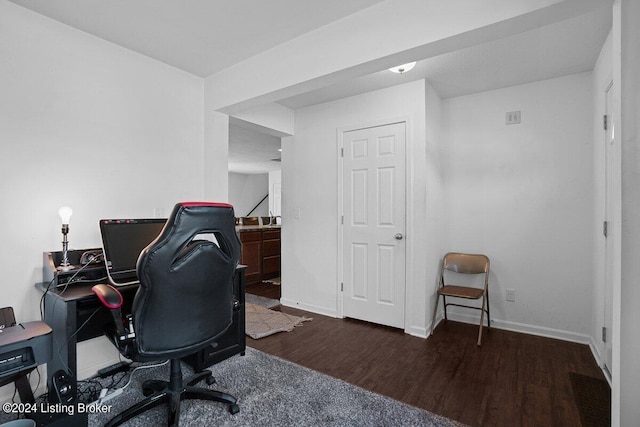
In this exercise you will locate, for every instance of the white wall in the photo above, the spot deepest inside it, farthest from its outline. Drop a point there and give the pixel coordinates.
(87, 124)
(522, 194)
(310, 186)
(246, 190)
(273, 119)
(626, 349)
(435, 215)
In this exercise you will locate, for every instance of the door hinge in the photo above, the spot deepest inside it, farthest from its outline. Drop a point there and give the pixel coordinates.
(341, 152)
(341, 286)
(342, 220)
(604, 334)
(605, 228)
(604, 122)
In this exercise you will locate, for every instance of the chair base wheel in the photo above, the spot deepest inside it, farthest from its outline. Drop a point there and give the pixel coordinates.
(171, 393)
(153, 386)
(210, 380)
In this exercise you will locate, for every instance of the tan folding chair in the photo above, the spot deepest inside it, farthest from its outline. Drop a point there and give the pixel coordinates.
(464, 264)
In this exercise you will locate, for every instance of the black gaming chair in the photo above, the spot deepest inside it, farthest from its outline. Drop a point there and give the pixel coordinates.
(184, 302)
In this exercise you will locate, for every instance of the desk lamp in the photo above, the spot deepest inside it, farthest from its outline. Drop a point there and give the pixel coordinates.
(65, 213)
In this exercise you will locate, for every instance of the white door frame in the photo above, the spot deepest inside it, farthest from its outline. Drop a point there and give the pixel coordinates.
(611, 169)
(408, 295)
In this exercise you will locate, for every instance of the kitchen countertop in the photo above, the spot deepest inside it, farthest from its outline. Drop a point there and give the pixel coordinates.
(242, 228)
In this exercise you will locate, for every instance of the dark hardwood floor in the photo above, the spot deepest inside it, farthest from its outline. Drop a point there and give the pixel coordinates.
(512, 380)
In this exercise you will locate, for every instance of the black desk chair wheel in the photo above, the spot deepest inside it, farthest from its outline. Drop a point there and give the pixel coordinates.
(186, 278)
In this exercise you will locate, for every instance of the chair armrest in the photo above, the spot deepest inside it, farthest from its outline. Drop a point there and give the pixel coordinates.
(109, 296)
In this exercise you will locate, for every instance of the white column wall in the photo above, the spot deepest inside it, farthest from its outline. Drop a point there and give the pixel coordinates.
(626, 345)
(310, 198)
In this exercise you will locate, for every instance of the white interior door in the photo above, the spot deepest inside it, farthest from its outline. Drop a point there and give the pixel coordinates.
(373, 244)
(609, 235)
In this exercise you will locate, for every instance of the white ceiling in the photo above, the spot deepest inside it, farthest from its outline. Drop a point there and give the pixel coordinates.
(198, 36)
(252, 152)
(203, 37)
(566, 47)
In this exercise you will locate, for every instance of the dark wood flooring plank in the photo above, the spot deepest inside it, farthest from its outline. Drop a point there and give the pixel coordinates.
(512, 380)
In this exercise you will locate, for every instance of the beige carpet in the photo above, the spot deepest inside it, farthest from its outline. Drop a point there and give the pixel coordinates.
(262, 322)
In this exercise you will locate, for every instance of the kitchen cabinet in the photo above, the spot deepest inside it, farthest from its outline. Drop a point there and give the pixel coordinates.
(260, 252)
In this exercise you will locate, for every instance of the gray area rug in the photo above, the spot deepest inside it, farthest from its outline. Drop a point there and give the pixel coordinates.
(261, 301)
(274, 392)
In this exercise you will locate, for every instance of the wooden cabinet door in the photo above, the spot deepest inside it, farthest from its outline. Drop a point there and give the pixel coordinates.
(252, 255)
(270, 254)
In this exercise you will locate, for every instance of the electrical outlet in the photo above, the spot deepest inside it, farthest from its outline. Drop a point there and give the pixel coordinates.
(512, 118)
(511, 295)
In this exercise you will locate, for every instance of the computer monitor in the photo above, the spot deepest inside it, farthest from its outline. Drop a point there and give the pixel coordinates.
(122, 242)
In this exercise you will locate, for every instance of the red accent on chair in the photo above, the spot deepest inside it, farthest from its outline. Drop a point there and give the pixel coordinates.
(215, 204)
(111, 300)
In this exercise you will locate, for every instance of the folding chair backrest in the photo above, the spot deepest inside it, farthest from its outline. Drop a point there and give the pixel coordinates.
(466, 263)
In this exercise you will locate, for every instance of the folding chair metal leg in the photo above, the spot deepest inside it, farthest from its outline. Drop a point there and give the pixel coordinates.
(488, 312)
(481, 320)
(435, 311)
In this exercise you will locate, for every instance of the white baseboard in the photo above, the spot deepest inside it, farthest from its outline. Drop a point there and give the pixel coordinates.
(308, 307)
(600, 359)
(417, 331)
(90, 371)
(596, 352)
(523, 328)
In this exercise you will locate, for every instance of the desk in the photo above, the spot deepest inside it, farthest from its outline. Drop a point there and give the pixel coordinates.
(77, 315)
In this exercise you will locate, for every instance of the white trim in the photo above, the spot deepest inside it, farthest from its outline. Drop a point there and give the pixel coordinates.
(609, 202)
(408, 283)
(90, 371)
(600, 360)
(340, 266)
(309, 307)
(524, 328)
(417, 331)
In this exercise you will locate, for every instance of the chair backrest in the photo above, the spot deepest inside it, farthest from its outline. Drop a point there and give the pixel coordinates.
(466, 263)
(185, 299)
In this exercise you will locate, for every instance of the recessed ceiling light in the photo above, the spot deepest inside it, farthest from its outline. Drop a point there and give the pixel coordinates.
(401, 69)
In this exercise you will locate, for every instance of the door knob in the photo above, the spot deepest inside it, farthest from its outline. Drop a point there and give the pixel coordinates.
(398, 236)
